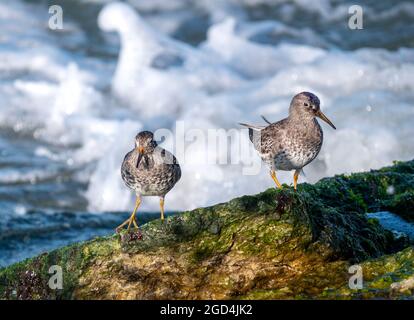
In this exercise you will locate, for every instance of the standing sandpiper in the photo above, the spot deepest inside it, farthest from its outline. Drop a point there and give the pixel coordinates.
(149, 170)
(291, 143)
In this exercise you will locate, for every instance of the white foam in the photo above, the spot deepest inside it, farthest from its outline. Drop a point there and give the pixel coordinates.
(9, 176)
(289, 68)
(62, 100)
(152, 90)
(237, 51)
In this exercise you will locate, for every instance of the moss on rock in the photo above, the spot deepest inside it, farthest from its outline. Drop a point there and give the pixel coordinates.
(277, 244)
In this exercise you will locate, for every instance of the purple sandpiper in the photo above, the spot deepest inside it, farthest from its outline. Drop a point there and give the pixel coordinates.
(149, 170)
(294, 142)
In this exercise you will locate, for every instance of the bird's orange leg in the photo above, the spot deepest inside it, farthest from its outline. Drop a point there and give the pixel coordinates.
(132, 218)
(273, 175)
(295, 178)
(162, 208)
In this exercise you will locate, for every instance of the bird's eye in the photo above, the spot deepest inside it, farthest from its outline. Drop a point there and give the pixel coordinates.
(306, 105)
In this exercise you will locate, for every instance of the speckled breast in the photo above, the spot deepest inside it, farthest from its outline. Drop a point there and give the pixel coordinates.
(299, 150)
(296, 158)
(150, 178)
(152, 182)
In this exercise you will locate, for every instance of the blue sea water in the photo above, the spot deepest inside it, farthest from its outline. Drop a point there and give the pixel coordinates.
(71, 100)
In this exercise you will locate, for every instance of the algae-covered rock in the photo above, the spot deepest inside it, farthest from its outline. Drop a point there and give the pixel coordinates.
(388, 277)
(277, 244)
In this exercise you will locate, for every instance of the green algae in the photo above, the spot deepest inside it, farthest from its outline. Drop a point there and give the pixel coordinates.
(322, 227)
(29, 279)
(379, 277)
(402, 203)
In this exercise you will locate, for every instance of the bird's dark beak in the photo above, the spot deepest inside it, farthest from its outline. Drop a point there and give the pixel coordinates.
(325, 118)
(140, 153)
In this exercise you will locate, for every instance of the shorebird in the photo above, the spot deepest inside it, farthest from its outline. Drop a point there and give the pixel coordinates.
(294, 142)
(149, 170)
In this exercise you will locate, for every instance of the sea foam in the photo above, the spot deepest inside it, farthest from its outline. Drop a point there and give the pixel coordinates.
(84, 112)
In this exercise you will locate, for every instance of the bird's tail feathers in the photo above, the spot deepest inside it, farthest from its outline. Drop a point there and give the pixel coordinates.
(265, 119)
(254, 133)
(252, 126)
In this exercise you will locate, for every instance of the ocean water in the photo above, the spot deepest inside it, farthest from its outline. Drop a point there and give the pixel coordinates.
(72, 100)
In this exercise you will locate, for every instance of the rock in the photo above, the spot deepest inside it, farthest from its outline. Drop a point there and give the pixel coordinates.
(406, 285)
(277, 244)
(388, 277)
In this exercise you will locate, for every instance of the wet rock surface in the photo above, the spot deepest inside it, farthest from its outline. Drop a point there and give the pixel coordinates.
(277, 244)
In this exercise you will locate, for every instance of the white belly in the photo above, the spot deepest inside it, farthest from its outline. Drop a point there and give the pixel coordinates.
(295, 159)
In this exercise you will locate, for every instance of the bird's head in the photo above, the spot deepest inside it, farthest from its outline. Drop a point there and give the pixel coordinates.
(144, 144)
(307, 104)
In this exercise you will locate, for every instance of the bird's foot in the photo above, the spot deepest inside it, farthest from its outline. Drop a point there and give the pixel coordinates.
(295, 179)
(131, 236)
(273, 175)
(278, 186)
(131, 220)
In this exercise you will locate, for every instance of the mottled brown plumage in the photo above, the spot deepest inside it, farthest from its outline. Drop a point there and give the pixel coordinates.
(156, 174)
(149, 170)
(294, 142)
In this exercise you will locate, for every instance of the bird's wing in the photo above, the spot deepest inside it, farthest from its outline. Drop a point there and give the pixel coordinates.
(164, 157)
(266, 138)
(272, 136)
(170, 161)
